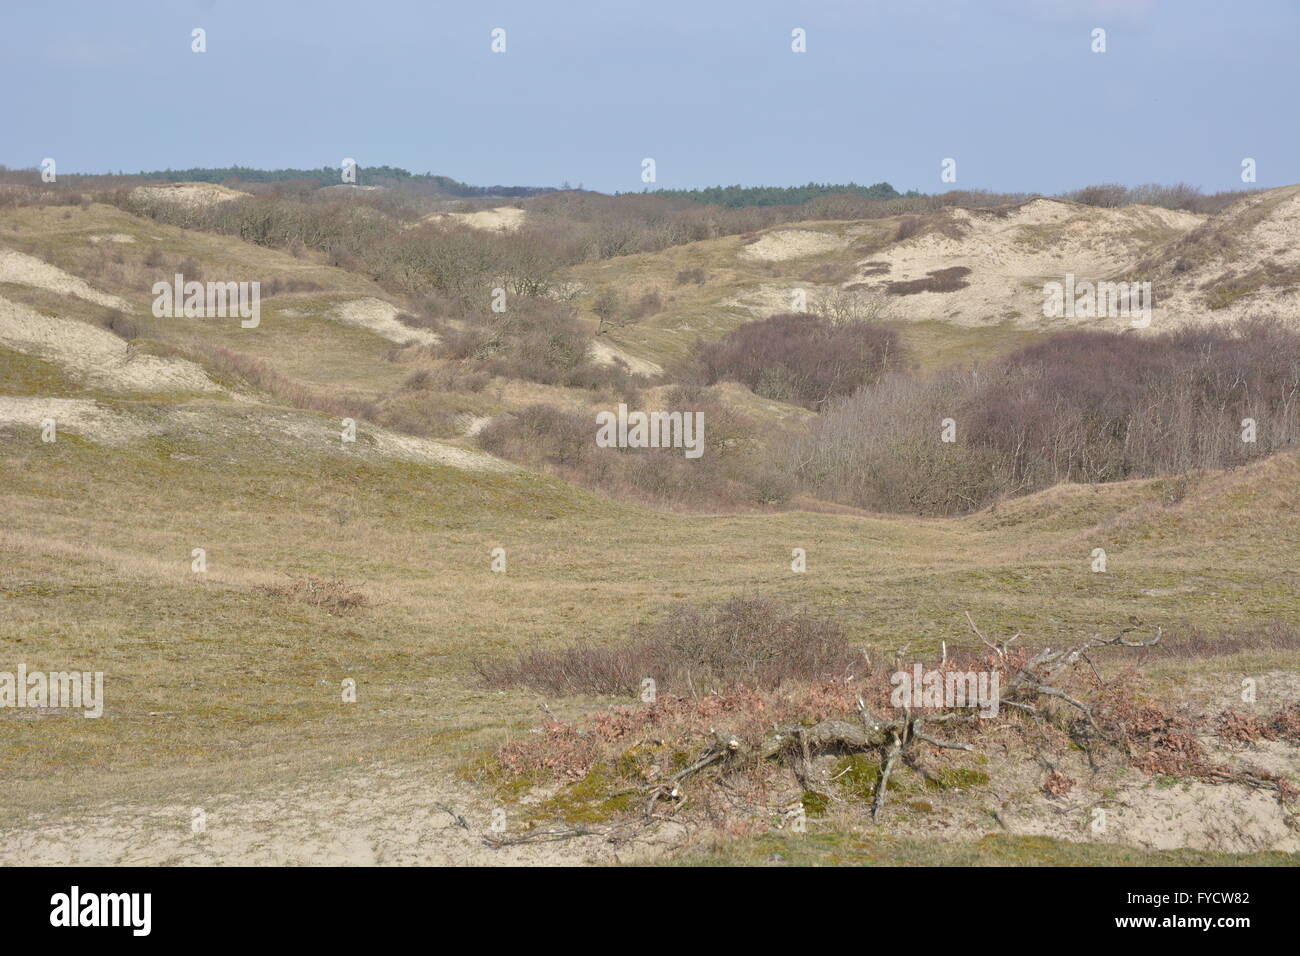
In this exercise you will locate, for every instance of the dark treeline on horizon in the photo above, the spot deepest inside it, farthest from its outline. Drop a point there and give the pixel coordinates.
(737, 195)
(734, 196)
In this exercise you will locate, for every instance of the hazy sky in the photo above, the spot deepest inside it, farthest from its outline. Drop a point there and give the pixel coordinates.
(711, 90)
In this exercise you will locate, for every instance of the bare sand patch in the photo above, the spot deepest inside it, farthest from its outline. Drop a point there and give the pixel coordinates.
(187, 194)
(97, 356)
(769, 298)
(121, 238)
(499, 219)
(380, 317)
(22, 269)
(782, 244)
(78, 416)
(1012, 253)
(385, 816)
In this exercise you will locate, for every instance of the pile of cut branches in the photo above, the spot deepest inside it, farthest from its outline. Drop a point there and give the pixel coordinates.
(723, 740)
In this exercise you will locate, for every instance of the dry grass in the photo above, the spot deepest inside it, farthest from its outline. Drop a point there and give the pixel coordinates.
(335, 597)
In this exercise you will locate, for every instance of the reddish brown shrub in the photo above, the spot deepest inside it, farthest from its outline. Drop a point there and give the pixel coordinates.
(799, 358)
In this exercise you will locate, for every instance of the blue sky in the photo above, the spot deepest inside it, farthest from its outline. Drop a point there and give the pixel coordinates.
(711, 90)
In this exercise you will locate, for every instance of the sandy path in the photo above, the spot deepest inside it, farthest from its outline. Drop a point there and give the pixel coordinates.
(381, 816)
(604, 353)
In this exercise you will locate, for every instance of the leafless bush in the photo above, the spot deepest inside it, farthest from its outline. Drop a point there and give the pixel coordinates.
(800, 358)
(732, 471)
(748, 641)
(649, 304)
(118, 323)
(852, 305)
(1078, 406)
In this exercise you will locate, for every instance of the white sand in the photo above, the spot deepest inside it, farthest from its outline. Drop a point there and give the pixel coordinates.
(380, 317)
(96, 356)
(782, 244)
(22, 269)
(188, 194)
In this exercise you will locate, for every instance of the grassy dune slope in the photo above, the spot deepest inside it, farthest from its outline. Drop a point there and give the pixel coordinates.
(206, 674)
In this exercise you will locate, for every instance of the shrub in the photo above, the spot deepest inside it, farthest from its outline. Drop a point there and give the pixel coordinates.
(798, 358)
(748, 641)
(733, 469)
(1084, 406)
(119, 324)
(938, 280)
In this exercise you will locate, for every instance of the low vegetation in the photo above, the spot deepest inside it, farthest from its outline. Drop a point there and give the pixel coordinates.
(787, 714)
(1075, 407)
(799, 358)
(750, 641)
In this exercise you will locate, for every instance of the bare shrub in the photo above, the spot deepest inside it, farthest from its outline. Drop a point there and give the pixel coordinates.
(852, 305)
(749, 641)
(118, 323)
(1081, 406)
(733, 469)
(1178, 196)
(452, 377)
(908, 227)
(649, 304)
(937, 280)
(799, 358)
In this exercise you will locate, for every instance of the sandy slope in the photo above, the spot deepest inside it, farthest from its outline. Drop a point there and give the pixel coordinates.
(96, 356)
(1012, 253)
(1251, 248)
(380, 317)
(502, 218)
(22, 269)
(242, 426)
(188, 194)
